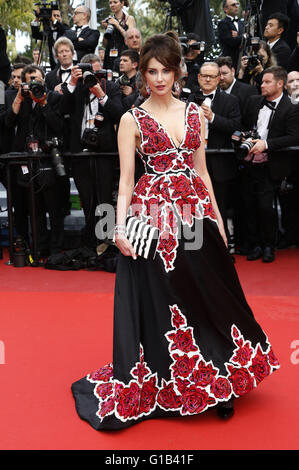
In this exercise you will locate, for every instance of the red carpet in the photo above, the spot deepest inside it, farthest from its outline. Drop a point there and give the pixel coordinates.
(57, 326)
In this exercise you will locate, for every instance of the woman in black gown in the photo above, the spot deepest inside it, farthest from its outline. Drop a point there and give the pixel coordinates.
(185, 338)
(114, 43)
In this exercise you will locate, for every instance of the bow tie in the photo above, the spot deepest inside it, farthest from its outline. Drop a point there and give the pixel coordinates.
(209, 96)
(65, 71)
(235, 19)
(269, 104)
(78, 27)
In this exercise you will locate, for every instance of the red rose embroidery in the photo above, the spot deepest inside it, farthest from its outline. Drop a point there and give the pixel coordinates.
(140, 372)
(177, 318)
(143, 184)
(183, 365)
(104, 374)
(187, 209)
(221, 388)
(195, 400)
(148, 396)
(157, 143)
(168, 399)
(260, 366)
(241, 380)
(104, 390)
(167, 242)
(106, 407)
(273, 359)
(204, 375)
(161, 163)
(243, 354)
(128, 402)
(182, 340)
(200, 188)
(181, 187)
(208, 211)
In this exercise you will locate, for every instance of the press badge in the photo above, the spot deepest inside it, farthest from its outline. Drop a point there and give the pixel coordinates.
(113, 53)
(24, 169)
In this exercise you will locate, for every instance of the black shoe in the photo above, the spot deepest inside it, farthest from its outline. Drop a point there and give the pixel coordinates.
(226, 410)
(268, 255)
(255, 253)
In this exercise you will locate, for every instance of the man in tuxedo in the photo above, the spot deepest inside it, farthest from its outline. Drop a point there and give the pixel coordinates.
(276, 25)
(229, 84)
(84, 38)
(230, 31)
(222, 116)
(19, 194)
(64, 51)
(277, 122)
(53, 29)
(37, 118)
(93, 176)
(268, 7)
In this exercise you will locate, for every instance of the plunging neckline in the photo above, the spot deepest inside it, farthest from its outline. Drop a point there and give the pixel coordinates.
(164, 128)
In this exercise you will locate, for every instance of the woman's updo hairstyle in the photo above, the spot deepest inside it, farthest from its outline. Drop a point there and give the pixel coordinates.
(165, 50)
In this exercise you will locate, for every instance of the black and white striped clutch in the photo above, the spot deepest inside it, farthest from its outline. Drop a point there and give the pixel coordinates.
(143, 237)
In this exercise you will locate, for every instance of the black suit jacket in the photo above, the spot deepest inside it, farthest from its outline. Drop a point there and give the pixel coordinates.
(73, 104)
(227, 120)
(283, 132)
(242, 91)
(282, 53)
(7, 134)
(231, 46)
(293, 14)
(293, 64)
(88, 44)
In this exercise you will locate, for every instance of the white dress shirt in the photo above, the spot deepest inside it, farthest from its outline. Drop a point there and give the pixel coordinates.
(264, 117)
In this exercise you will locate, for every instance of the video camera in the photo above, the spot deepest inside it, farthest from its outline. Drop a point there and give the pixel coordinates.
(52, 147)
(36, 88)
(200, 45)
(242, 148)
(91, 78)
(45, 10)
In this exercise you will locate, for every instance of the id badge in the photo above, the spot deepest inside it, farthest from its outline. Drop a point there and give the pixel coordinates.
(113, 53)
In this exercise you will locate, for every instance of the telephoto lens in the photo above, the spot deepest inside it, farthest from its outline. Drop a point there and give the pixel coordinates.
(89, 79)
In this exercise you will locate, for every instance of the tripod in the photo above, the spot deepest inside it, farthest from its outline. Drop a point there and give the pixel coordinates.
(43, 49)
(168, 25)
(253, 26)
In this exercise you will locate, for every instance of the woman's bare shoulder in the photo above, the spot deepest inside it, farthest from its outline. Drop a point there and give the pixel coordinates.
(128, 122)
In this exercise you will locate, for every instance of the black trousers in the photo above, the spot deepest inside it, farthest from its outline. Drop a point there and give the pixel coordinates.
(93, 177)
(259, 193)
(222, 190)
(50, 200)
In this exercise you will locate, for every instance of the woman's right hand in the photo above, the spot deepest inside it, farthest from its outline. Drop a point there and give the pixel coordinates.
(125, 246)
(244, 62)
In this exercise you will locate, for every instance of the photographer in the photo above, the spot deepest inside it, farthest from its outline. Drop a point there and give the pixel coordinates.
(53, 28)
(253, 65)
(276, 25)
(222, 117)
(34, 114)
(128, 66)
(64, 52)
(89, 96)
(276, 121)
(84, 38)
(193, 51)
(115, 27)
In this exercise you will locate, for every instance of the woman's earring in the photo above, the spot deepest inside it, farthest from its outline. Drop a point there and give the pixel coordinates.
(148, 90)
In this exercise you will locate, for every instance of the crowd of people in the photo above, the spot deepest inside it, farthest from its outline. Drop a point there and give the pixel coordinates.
(77, 105)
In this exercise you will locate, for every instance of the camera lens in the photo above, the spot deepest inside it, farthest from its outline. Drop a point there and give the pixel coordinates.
(109, 31)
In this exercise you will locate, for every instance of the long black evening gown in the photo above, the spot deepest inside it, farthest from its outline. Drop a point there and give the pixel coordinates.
(185, 338)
